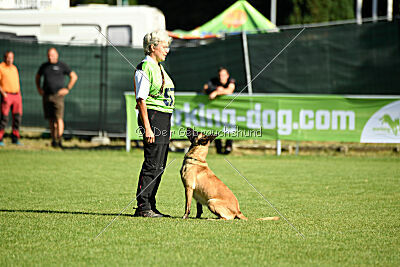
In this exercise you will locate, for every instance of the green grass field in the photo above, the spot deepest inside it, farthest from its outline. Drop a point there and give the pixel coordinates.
(54, 203)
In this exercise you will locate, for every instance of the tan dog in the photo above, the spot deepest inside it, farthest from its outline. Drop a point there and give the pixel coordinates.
(202, 184)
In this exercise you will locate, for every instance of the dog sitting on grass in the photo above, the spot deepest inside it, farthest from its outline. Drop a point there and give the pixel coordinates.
(201, 183)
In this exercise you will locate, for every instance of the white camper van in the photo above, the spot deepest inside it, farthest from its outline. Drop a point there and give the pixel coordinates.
(83, 25)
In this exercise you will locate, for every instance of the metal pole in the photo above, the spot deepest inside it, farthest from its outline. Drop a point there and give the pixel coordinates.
(358, 11)
(105, 91)
(273, 11)
(390, 10)
(278, 147)
(374, 10)
(101, 95)
(127, 138)
(247, 63)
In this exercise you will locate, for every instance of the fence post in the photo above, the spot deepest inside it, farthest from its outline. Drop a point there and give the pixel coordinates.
(105, 89)
(278, 147)
(273, 11)
(389, 10)
(374, 10)
(247, 63)
(358, 11)
(102, 63)
(127, 138)
(102, 137)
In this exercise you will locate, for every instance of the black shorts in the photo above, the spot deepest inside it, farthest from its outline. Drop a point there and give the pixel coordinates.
(53, 106)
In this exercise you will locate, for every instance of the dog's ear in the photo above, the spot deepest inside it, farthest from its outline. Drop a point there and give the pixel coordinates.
(212, 137)
(189, 132)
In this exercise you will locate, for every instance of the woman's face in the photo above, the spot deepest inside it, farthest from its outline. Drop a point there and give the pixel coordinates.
(160, 51)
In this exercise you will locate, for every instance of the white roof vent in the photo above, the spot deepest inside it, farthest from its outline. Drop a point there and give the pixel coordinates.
(34, 4)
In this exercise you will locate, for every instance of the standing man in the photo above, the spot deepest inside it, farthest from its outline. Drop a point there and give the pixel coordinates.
(221, 85)
(53, 91)
(10, 97)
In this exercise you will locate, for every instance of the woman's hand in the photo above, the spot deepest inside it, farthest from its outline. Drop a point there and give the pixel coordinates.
(149, 136)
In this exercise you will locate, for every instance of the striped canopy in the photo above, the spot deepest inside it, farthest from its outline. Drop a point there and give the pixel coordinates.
(239, 17)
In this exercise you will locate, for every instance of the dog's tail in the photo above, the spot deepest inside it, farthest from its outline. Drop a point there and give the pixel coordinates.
(241, 216)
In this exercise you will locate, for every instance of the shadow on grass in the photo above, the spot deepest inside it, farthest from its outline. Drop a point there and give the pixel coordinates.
(92, 213)
(100, 147)
(67, 212)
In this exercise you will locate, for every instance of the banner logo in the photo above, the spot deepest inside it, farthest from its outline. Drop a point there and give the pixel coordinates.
(393, 124)
(235, 18)
(383, 126)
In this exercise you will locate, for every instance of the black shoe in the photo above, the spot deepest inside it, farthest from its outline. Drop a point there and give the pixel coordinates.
(60, 145)
(17, 142)
(147, 213)
(228, 150)
(156, 211)
(54, 143)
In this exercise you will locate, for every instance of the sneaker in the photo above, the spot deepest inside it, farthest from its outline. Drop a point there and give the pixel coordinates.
(147, 213)
(17, 142)
(2, 143)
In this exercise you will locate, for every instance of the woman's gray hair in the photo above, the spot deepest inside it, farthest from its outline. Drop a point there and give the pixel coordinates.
(154, 38)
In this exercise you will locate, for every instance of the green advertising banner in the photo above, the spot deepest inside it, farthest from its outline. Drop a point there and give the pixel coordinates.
(284, 117)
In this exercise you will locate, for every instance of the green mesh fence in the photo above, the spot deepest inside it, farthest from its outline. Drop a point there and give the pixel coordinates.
(346, 59)
(81, 104)
(119, 79)
(192, 67)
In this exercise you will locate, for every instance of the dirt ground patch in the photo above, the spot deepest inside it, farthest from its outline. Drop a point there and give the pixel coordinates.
(38, 139)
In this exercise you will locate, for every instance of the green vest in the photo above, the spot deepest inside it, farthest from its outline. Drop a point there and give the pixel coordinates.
(162, 101)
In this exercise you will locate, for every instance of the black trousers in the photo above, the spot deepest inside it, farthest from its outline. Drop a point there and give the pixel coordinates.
(155, 159)
(218, 145)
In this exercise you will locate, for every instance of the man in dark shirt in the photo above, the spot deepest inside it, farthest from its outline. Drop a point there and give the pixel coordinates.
(53, 91)
(221, 85)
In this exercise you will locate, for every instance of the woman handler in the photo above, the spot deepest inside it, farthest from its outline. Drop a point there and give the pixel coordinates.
(154, 91)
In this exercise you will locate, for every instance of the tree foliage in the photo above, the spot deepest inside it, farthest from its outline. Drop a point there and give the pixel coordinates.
(187, 16)
(309, 11)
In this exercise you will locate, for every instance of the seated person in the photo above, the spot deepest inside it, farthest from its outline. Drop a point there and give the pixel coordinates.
(221, 85)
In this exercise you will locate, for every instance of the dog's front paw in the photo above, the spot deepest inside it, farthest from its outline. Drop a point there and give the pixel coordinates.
(185, 216)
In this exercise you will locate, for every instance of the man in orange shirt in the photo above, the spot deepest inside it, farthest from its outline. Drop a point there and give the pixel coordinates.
(10, 97)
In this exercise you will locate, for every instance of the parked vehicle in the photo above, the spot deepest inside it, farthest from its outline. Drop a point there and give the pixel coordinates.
(83, 25)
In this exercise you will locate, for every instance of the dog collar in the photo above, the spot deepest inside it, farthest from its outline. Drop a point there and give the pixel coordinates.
(202, 161)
